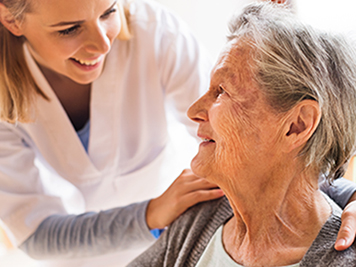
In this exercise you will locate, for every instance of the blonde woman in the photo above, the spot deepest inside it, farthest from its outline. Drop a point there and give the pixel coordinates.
(83, 88)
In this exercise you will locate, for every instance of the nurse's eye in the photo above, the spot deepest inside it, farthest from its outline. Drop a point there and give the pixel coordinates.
(69, 31)
(107, 14)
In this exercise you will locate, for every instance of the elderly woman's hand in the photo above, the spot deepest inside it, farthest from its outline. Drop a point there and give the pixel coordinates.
(347, 230)
(186, 191)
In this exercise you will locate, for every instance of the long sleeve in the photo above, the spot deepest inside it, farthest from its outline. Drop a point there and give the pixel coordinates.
(340, 191)
(89, 234)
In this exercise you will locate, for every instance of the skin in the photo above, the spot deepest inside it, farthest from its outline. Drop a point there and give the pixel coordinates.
(75, 31)
(59, 34)
(346, 235)
(70, 41)
(347, 231)
(88, 38)
(250, 151)
(186, 191)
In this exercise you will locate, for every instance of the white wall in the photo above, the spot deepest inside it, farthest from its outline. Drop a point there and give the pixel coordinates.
(209, 18)
(330, 15)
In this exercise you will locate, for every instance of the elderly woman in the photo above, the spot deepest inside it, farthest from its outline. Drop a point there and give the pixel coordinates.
(279, 114)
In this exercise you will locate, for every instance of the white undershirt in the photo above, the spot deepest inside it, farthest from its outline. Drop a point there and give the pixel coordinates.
(215, 255)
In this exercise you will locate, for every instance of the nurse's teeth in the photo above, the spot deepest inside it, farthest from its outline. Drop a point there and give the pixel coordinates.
(88, 62)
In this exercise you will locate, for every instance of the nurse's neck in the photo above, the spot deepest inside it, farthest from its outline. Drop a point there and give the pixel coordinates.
(74, 97)
(59, 82)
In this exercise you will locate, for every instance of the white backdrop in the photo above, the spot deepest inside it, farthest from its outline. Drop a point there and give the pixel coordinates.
(208, 19)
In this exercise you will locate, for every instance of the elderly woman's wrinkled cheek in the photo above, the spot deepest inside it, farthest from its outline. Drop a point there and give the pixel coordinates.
(234, 147)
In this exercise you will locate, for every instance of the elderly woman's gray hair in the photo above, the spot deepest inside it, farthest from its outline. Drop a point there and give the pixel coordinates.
(293, 62)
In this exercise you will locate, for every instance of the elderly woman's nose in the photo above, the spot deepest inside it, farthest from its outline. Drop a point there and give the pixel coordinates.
(197, 111)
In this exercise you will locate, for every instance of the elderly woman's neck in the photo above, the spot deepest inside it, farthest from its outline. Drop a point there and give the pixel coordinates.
(275, 222)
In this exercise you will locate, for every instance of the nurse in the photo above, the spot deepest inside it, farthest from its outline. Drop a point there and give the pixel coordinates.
(85, 89)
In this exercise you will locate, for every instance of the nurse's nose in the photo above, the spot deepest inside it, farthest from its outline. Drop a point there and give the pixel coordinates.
(97, 40)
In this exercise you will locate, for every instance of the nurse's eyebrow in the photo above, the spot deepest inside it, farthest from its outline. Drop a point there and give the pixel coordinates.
(65, 23)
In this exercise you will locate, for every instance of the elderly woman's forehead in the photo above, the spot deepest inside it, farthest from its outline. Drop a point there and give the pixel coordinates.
(237, 47)
(234, 58)
(235, 52)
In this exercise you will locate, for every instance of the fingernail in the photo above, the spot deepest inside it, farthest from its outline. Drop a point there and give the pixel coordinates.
(340, 242)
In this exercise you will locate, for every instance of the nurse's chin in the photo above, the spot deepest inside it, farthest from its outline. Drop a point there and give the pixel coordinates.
(85, 79)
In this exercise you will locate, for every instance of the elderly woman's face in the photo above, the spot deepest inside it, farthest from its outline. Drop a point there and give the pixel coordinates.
(237, 126)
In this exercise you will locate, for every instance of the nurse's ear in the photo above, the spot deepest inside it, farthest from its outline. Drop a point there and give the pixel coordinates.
(9, 21)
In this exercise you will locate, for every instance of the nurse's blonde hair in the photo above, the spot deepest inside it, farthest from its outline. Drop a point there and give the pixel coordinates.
(18, 89)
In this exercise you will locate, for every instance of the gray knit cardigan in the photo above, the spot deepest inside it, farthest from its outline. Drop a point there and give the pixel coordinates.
(183, 243)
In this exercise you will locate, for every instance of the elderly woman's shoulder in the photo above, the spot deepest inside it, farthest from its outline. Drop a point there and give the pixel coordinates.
(201, 219)
(198, 224)
(322, 251)
(330, 257)
(340, 258)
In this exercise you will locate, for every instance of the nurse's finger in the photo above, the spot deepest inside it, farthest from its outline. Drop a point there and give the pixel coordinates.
(187, 175)
(196, 197)
(163, 210)
(346, 235)
(190, 182)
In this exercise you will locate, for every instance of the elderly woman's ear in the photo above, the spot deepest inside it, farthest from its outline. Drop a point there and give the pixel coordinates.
(302, 122)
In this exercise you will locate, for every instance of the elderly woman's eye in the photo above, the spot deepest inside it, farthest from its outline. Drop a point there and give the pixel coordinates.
(221, 91)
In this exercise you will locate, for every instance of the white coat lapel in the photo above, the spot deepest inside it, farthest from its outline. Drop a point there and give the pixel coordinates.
(52, 129)
(104, 113)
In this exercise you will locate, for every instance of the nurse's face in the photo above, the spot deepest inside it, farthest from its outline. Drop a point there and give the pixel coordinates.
(72, 37)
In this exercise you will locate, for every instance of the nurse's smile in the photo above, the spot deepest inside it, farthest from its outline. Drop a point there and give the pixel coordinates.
(88, 65)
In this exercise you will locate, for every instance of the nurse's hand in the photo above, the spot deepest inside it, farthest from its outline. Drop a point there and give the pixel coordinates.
(186, 191)
(347, 230)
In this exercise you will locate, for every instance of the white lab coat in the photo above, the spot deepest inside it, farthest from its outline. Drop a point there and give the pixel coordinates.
(45, 170)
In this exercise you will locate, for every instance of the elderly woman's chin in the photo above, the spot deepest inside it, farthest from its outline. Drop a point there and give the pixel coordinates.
(202, 165)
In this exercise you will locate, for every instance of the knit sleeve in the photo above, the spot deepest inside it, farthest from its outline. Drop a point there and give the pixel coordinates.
(340, 191)
(90, 234)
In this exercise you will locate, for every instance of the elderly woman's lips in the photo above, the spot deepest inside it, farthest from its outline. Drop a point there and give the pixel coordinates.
(205, 138)
(206, 141)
